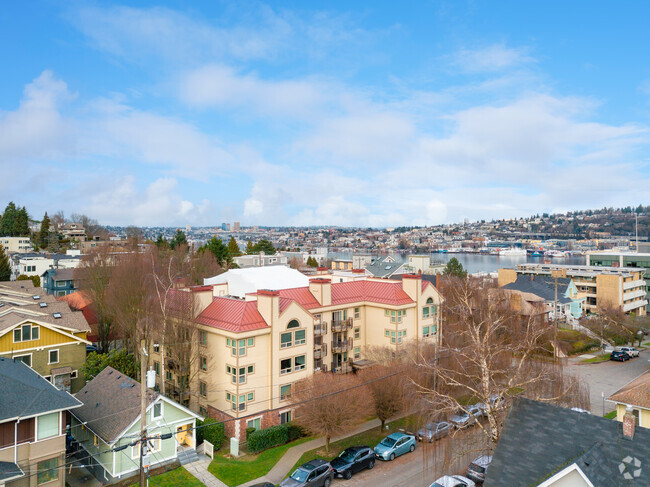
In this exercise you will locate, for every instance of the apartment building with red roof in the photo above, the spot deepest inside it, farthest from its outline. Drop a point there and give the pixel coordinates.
(253, 350)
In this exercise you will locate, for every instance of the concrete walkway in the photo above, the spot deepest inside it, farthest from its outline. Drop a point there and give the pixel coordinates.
(199, 469)
(293, 454)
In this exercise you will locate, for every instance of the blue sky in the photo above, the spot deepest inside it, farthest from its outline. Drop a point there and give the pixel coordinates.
(323, 113)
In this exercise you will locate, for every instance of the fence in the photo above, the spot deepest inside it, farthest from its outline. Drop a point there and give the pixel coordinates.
(208, 449)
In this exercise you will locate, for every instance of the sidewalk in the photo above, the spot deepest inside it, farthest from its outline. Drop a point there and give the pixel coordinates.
(289, 459)
(199, 470)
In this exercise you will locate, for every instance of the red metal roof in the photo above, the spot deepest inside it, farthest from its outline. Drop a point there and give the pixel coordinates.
(384, 292)
(232, 315)
(372, 291)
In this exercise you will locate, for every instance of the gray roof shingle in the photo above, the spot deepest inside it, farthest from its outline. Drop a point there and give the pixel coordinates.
(539, 440)
(111, 402)
(25, 393)
(542, 286)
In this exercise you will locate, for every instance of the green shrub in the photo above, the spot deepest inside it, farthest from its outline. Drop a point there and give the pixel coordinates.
(212, 431)
(294, 431)
(249, 431)
(268, 438)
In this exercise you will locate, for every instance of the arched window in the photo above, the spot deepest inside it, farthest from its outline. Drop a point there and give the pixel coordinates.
(430, 301)
(293, 324)
(428, 309)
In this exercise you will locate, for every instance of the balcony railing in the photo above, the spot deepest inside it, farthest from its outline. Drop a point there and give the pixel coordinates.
(344, 368)
(317, 354)
(342, 345)
(320, 328)
(342, 325)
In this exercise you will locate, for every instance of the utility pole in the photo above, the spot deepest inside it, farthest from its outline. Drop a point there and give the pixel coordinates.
(143, 410)
(555, 354)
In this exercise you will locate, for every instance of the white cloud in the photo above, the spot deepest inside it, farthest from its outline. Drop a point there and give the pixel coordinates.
(36, 129)
(496, 57)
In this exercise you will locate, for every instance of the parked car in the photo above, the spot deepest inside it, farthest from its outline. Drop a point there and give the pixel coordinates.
(395, 445)
(91, 348)
(352, 460)
(453, 481)
(477, 410)
(619, 355)
(316, 473)
(434, 431)
(478, 468)
(462, 420)
(631, 351)
(263, 484)
(580, 410)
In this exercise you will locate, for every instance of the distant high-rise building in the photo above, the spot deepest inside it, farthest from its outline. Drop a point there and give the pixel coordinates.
(236, 226)
(223, 227)
(188, 228)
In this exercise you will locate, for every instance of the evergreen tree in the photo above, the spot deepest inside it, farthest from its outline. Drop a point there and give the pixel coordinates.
(5, 268)
(21, 224)
(178, 239)
(264, 246)
(454, 268)
(250, 249)
(44, 234)
(8, 221)
(233, 248)
(311, 262)
(219, 249)
(161, 242)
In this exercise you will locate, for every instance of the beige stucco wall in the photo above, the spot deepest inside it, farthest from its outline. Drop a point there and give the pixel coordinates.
(506, 276)
(644, 415)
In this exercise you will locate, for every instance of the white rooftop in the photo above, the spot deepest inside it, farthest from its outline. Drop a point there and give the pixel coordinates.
(251, 279)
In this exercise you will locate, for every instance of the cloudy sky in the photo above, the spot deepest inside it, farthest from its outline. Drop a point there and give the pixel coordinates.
(374, 113)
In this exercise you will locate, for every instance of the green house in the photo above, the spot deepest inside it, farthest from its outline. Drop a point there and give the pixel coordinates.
(107, 427)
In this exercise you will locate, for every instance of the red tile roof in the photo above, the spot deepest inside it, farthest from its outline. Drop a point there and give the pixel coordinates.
(301, 295)
(232, 315)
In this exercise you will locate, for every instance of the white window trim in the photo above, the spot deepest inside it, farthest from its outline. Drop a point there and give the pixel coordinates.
(162, 410)
(58, 356)
(74, 374)
(25, 355)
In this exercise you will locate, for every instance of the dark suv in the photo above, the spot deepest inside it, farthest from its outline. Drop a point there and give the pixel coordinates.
(619, 355)
(317, 473)
(352, 460)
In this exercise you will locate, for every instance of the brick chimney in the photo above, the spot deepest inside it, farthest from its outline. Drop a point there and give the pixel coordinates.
(322, 290)
(322, 271)
(629, 422)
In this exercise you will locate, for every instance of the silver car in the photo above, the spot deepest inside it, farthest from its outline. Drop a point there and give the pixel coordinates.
(478, 468)
(434, 431)
(462, 419)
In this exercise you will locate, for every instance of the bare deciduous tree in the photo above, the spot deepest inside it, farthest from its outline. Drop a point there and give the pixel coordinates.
(94, 275)
(329, 404)
(387, 386)
(490, 353)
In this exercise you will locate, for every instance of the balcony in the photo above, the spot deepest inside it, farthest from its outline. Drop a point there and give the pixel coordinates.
(342, 325)
(632, 284)
(638, 293)
(635, 305)
(340, 346)
(320, 328)
(344, 368)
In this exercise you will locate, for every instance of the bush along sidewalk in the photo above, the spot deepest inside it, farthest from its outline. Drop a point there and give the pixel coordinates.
(212, 431)
(274, 436)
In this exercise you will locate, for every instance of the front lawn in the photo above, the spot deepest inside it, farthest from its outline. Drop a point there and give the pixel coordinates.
(369, 438)
(611, 415)
(173, 478)
(233, 472)
(596, 360)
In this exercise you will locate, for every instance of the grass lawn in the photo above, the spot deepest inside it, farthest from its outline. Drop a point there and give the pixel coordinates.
(249, 467)
(178, 476)
(370, 438)
(611, 415)
(597, 359)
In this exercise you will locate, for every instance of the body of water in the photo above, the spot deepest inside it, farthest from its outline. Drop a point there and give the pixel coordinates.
(484, 262)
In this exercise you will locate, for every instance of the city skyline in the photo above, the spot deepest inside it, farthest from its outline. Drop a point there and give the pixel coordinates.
(328, 114)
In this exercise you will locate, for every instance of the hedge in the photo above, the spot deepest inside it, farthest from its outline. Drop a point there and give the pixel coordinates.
(212, 431)
(268, 438)
(274, 436)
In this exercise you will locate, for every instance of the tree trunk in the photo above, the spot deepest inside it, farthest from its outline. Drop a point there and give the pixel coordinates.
(327, 444)
(383, 423)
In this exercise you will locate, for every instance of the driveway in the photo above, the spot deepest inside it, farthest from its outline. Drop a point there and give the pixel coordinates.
(608, 377)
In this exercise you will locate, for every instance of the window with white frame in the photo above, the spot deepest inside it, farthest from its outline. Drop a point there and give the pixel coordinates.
(74, 374)
(26, 333)
(254, 423)
(157, 410)
(47, 426)
(426, 331)
(285, 366)
(357, 333)
(26, 359)
(238, 375)
(357, 313)
(299, 363)
(53, 357)
(357, 353)
(285, 392)
(238, 347)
